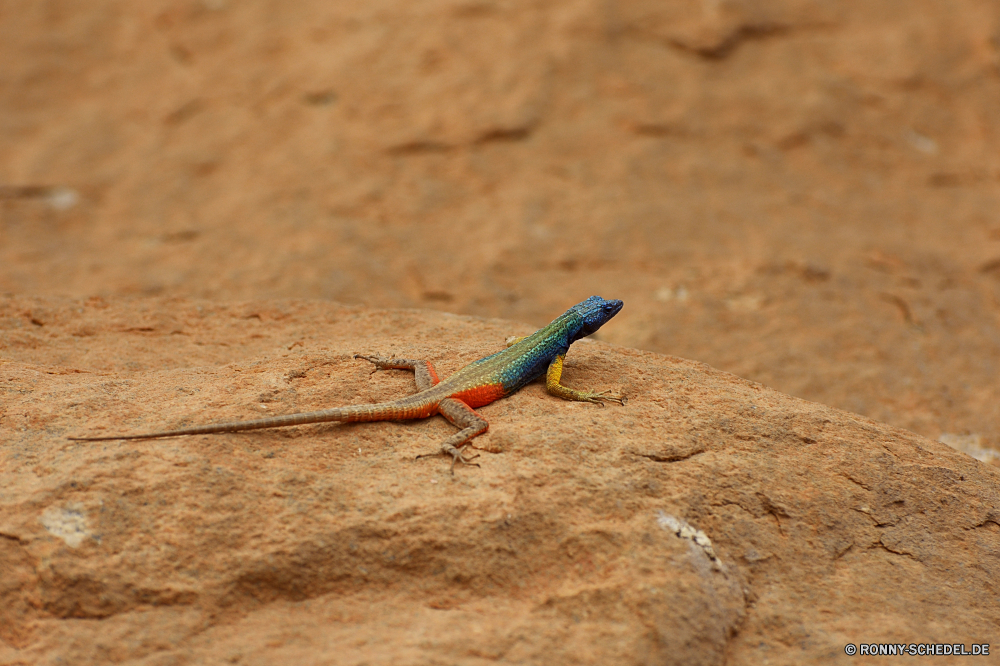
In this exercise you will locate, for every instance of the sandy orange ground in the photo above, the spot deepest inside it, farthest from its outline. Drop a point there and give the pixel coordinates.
(803, 194)
(576, 541)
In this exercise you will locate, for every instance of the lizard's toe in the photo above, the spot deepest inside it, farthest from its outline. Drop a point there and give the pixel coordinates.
(599, 398)
(456, 457)
(379, 362)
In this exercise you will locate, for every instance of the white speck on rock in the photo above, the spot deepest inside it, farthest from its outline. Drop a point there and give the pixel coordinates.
(62, 198)
(924, 144)
(68, 523)
(685, 531)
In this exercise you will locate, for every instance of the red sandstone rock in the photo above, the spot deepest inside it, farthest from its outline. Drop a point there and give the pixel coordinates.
(804, 194)
(330, 544)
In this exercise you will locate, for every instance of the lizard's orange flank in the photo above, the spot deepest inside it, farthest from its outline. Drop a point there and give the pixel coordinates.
(477, 384)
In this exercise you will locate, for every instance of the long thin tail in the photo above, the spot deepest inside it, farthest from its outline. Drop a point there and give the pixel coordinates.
(397, 410)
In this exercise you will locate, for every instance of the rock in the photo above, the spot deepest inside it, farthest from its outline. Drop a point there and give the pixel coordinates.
(711, 520)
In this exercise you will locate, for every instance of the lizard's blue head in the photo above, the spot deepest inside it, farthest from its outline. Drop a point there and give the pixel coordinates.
(595, 311)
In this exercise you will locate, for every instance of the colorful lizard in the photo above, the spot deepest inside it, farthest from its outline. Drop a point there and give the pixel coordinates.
(477, 384)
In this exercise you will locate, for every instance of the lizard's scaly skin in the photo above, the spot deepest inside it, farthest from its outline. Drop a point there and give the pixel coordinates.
(477, 384)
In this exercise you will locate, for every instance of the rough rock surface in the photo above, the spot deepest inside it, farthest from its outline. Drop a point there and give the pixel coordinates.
(576, 542)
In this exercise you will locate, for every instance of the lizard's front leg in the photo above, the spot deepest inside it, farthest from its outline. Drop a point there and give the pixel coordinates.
(553, 376)
(471, 424)
(423, 371)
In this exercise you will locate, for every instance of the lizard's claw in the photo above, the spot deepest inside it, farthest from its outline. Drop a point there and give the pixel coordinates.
(599, 398)
(456, 457)
(377, 361)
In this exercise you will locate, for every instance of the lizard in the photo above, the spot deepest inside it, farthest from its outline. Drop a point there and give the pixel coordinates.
(457, 397)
